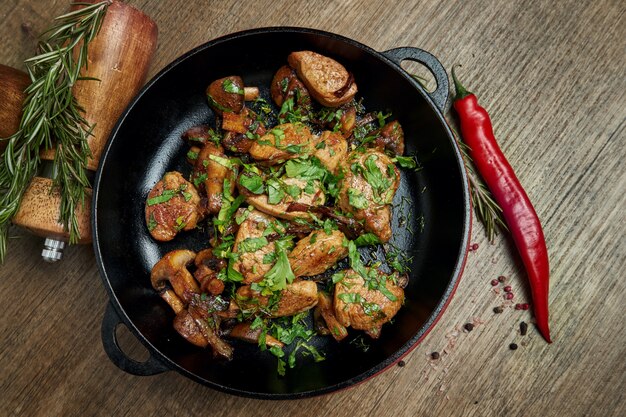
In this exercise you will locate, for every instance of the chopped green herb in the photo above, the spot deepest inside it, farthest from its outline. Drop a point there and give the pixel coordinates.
(192, 155)
(152, 223)
(230, 87)
(356, 199)
(406, 161)
(277, 278)
(275, 193)
(165, 196)
(366, 239)
(252, 182)
(252, 244)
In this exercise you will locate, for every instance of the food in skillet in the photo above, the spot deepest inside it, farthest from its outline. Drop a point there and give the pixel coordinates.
(289, 196)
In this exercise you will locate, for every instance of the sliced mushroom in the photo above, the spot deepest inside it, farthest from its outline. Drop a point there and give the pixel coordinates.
(299, 296)
(285, 141)
(207, 269)
(326, 79)
(171, 278)
(331, 148)
(243, 331)
(286, 85)
(211, 169)
(363, 305)
(226, 94)
(208, 324)
(327, 311)
(317, 252)
(390, 137)
(199, 135)
(172, 205)
(186, 326)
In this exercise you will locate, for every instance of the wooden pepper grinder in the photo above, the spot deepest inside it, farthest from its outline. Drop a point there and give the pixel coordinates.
(119, 58)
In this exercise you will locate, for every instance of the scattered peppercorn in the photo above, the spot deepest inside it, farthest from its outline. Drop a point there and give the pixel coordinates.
(508, 296)
(508, 288)
(519, 306)
(513, 346)
(468, 326)
(525, 306)
(494, 282)
(401, 364)
(498, 310)
(523, 328)
(434, 355)
(501, 278)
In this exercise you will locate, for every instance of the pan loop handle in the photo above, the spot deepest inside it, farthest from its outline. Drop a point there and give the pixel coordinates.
(112, 348)
(441, 93)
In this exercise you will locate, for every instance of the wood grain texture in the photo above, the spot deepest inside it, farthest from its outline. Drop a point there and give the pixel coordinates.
(553, 77)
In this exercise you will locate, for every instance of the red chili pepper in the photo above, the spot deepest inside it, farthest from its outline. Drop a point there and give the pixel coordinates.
(518, 212)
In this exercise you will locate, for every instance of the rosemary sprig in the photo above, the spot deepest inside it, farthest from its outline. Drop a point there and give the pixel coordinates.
(487, 210)
(52, 116)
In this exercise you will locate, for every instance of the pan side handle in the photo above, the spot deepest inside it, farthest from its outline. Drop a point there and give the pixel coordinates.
(111, 320)
(441, 93)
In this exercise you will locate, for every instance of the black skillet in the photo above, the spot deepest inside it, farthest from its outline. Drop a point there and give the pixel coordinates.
(146, 143)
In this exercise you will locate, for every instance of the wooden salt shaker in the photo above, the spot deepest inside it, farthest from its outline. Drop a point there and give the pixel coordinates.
(119, 57)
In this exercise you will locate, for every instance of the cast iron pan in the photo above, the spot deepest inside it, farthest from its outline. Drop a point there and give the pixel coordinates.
(146, 143)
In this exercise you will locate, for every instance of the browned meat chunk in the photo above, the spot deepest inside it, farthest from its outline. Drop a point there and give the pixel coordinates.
(367, 189)
(363, 305)
(331, 148)
(279, 209)
(317, 252)
(250, 256)
(172, 205)
(326, 79)
(212, 167)
(299, 296)
(285, 141)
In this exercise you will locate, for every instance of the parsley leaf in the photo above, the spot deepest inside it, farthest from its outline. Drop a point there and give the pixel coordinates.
(356, 199)
(252, 182)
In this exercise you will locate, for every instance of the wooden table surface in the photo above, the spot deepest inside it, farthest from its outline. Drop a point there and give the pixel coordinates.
(553, 77)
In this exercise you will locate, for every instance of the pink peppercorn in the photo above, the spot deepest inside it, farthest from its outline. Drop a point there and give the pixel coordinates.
(508, 295)
(508, 288)
(519, 306)
(494, 282)
(525, 306)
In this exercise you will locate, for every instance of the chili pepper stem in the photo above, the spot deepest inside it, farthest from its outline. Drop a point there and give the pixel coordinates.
(461, 91)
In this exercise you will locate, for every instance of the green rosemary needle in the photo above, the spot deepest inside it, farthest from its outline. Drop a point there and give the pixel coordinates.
(52, 118)
(487, 210)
